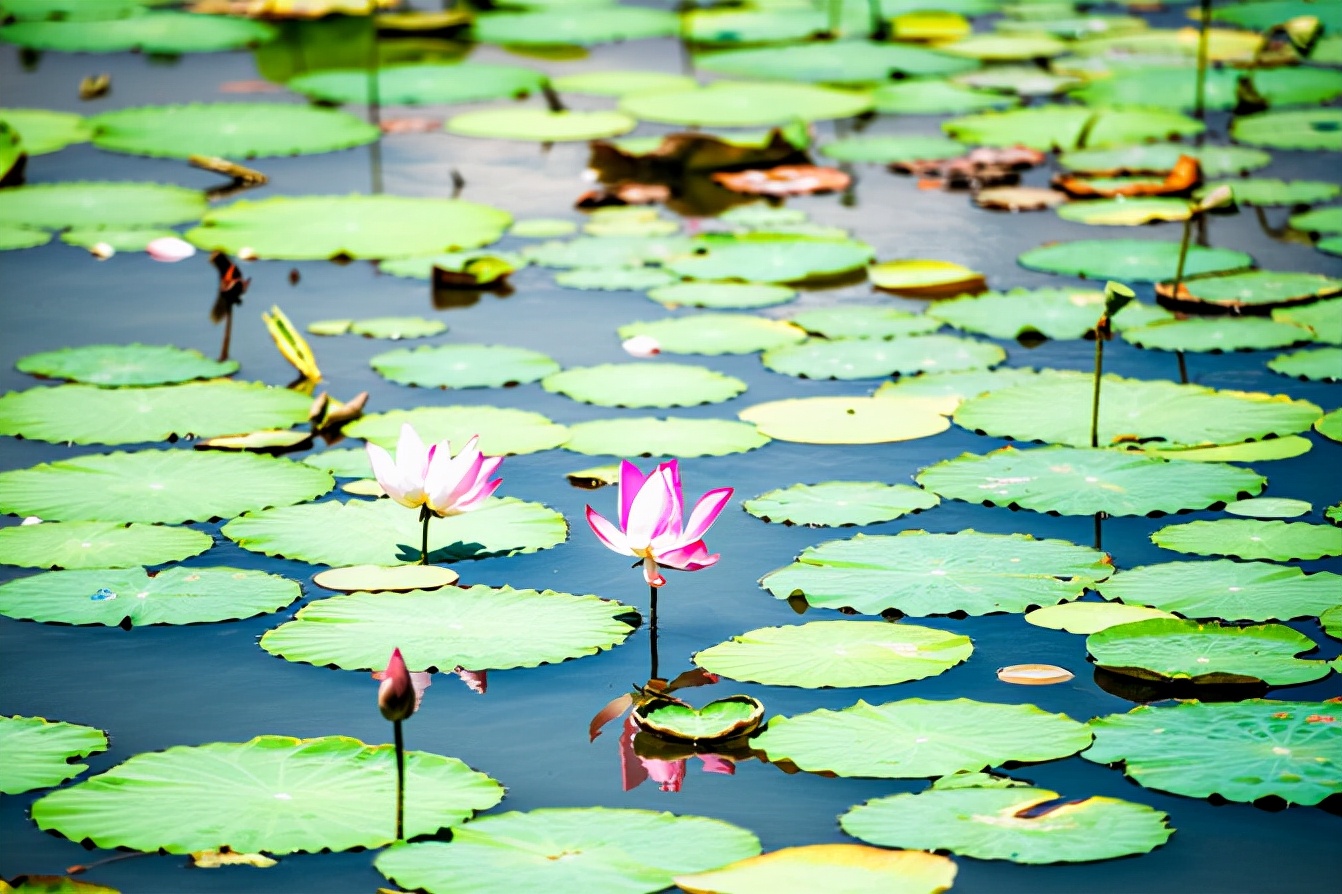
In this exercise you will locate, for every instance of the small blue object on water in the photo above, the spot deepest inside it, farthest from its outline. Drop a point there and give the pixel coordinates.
(103, 595)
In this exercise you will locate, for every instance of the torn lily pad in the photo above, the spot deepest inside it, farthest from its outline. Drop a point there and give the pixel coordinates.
(868, 358)
(615, 279)
(644, 385)
(933, 96)
(649, 436)
(12, 238)
(394, 328)
(847, 420)
(229, 130)
(715, 334)
(40, 753)
(1225, 589)
(839, 503)
(95, 544)
(502, 430)
(1276, 541)
(116, 365)
(463, 366)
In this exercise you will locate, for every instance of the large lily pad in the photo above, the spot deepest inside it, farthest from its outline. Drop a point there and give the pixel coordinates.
(1241, 751)
(1330, 425)
(1318, 128)
(1129, 260)
(1245, 538)
(925, 278)
(441, 629)
(949, 390)
(40, 753)
(1323, 318)
(1232, 591)
(917, 737)
(429, 83)
(1268, 192)
(131, 597)
(158, 486)
(502, 430)
(644, 385)
(91, 204)
(1125, 212)
(44, 130)
(95, 544)
(649, 436)
(12, 237)
(1090, 617)
(274, 794)
(1316, 365)
(560, 26)
(836, 503)
(835, 62)
(834, 868)
(1318, 221)
(1217, 334)
(869, 358)
(864, 321)
(1215, 161)
(1257, 288)
(621, 82)
(135, 364)
(1052, 313)
(464, 366)
(836, 653)
(149, 32)
(539, 125)
(932, 96)
(1170, 649)
(1061, 127)
(770, 258)
(232, 130)
(322, 227)
(847, 420)
(722, 295)
(920, 574)
(732, 104)
(714, 334)
(1176, 87)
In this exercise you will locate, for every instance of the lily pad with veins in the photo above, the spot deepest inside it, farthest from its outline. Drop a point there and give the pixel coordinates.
(40, 753)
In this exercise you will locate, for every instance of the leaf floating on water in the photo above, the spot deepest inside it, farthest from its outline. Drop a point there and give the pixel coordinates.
(926, 278)
(785, 180)
(41, 753)
(837, 868)
(228, 857)
(383, 578)
(1034, 674)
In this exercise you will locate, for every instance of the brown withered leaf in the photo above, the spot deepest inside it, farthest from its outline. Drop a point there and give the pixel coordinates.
(979, 168)
(95, 86)
(613, 709)
(624, 193)
(410, 125)
(784, 180)
(1183, 178)
(226, 856)
(689, 151)
(1019, 198)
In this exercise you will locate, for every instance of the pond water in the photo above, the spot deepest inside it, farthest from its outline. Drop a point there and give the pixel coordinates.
(155, 687)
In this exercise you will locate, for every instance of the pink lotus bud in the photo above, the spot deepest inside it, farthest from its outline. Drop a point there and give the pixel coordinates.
(396, 694)
(170, 249)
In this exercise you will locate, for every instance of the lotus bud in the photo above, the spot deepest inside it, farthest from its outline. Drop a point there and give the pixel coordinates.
(1218, 198)
(642, 346)
(1116, 297)
(170, 249)
(396, 694)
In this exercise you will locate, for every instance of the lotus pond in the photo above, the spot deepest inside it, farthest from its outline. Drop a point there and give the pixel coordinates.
(954, 627)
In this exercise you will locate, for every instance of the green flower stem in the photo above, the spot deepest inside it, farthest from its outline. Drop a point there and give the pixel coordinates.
(400, 781)
(1095, 398)
(652, 634)
(1179, 281)
(424, 516)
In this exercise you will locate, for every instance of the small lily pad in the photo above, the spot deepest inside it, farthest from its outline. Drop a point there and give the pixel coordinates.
(394, 328)
(546, 27)
(926, 278)
(649, 436)
(1063, 127)
(539, 125)
(1091, 617)
(1330, 425)
(644, 385)
(463, 366)
(1167, 650)
(385, 578)
(40, 753)
(715, 334)
(593, 252)
(43, 131)
(429, 83)
(1269, 507)
(1225, 589)
(135, 364)
(1277, 541)
(725, 718)
(770, 258)
(1125, 212)
(232, 130)
(615, 279)
(502, 430)
(864, 321)
(839, 503)
(13, 238)
(933, 96)
(94, 544)
(1315, 365)
(1006, 47)
(722, 295)
(846, 420)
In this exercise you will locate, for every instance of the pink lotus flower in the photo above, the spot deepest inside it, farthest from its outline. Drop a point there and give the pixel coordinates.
(432, 477)
(169, 249)
(396, 697)
(651, 526)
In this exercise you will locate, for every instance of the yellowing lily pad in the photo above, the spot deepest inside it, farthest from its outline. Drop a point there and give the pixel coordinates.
(847, 420)
(644, 385)
(926, 278)
(868, 358)
(385, 578)
(1090, 617)
(41, 753)
(834, 868)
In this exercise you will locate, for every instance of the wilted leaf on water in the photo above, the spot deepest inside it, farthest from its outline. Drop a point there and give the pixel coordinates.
(784, 180)
(980, 167)
(228, 857)
(725, 718)
(672, 155)
(40, 753)
(834, 868)
(53, 884)
(1019, 198)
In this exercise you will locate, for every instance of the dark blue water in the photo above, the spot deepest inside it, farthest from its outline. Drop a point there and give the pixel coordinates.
(156, 687)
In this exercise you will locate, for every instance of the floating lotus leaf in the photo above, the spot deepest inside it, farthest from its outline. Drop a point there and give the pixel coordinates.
(933, 96)
(891, 149)
(1323, 318)
(615, 279)
(836, 653)
(234, 130)
(834, 62)
(1241, 751)
(1027, 20)
(644, 385)
(502, 430)
(127, 240)
(134, 364)
(715, 334)
(1176, 87)
(632, 221)
(85, 414)
(1090, 617)
(1052, 313)
(922, 574)
(382, 578)
(864, 321)
(1170, 45)
(1169, 649)
(621, 82)
(1256, 288)
(539, 125)
(717, 721)
(834, 868)
(40, 753)
(732, 104)
(93, 204)
(1244, 452)
(1060, 128)
(45, 130)
(542, 228)
(1215, 161)
(647, 436)
(847, 420)
(1259, 15)
(381, 532)
(1330, 425)
(93, 544)
(129, 597)
(722, 295)
(607, 251)
(157, 486)
(753, 25)
(1004, 824)
(167, 33)
(547, 28)
(1331, 621)
(12, 237)
(1331, 245)
(1266, 192)
(923, 278)
(568, 851)
(1319, 220)
(338, 793)
(463, 366)
(1269, 507)
(1056, 409)
(869, 358)
(770, 258)
(837, 503)
(1130, 260)
(321, 227)
(1125, 212)
(442, 629)
(1319, 128)
(1243, 538)
(1231, 591)
(394, 328)
(65, 10)
(481, 268)
(1023, 80)
(952, 389)
(1006, 47)
(348, 462)
(430, 83)
(1317, 365)
(1217, 334)
(916, 738)
(1327, 50)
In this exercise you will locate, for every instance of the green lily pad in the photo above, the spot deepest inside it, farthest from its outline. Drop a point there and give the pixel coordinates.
(1287, 447)
(1215, 161)
(383, 578)
(394, 328)
(868, 358)
(717, 721)
(1318, 128)
(621, 82)
(648, 436)
(486, 267)
(1259, 288)
(429, 83)
(539, 125)
(1006, 47)
(568, 851)
(835, 868)
(1081, 481)
(770, 258)
(837, 503)
(1169, 87)
(93, 544)
(1269, 507)
(1217, 334)
(86, 414)
(131, 597)
(1331, 245)
(1328, 50)
(834, 62)
(12, 238)
(94, 204)
(44, 130)
(1331, 621)
(889, 149)
(1259, 15)
(552, 27)
(542, 228)
(916, 738)
(1091, 617)
(932, 96)
(864, 321)
(1330, 425)
(1316, 365)
(339, 794)
(925, 278)
(1169, 46)
(722, 295)
(1277, 541)
(452, 627)
(233, 130)
(1323, 318)
(922, 574)
(715, 334)
(1052, 313)
(1003, 824)
(644, 385)
(40, 753)
(463, 366)
(846, 420)
(1129, 260)
(166, 33)
(502, 430)
(1062, 20)
(381, 532)
(757, 25)
(1170, 649)
(836, 653)
(321, 227)
(1022, 80)
(1231, 591)
(130, 239)
(135, 364)
(1267, 192)
(348, 462)
(949, 390)
(1241, 751)
(615, 279)
(1318, 220)
(593, 252)
(732, 104)
(1061, 128)
(1125, 212)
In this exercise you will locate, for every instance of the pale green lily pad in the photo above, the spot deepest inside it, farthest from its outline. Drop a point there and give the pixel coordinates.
(1022, 80)
(648, 436)
(94, 204)
(40, 753)
(1330, 425)
(1269, 507)
(1170, 46)
(1091, 617)
(383, 578)
(1331, 621)
(135, 364)
(568, 851)
(539, 125)
(1176, 87)
(834, 62)
(347, 462)
(1241, 751)
(621, 82)
(952, 389)
(714, 334)
(1319, 220)
(839, 503)
(1063, 20)
(917, 738)
(1323, 318)
(86, 414)
(864, 321)
(921, 574)
(1216, 161)
(1267, 192)
(1328, 50)
(1129, 260)
(502, 430)
(1318, 128)
(1259, 288)
(932, 96)
(614, 279)
(1002, 824)
(847, 420)
(1006, 47)
(429, 83)
(1060, 128)
(447, 628)
(1277, 541)
(121, 240)
(756, 25)
(233, 130)
(722, 295)
(1331, 245)
(12, 237)
(129, 597)
(339, 794)
(45, 130)
(94, 544)
(1259, 15)
(834, 868)
(1052, 313)
(1081, 481)
(644, 385)
(1167, 650)
(322, 227)
(67, 10)
(542, 228)
(925, 278)
(394, 328)
(463, 366)
(836, 653)
(1225, 589)
(381, 532)
(889, 149)
(168, 486)
(1287, 447)
(731, 104)
(1217, 334)
(552, 27)
(167, 33)
(770, 258)
(868, 358)
(1316, 365)
(1125, 212)
(485, 266)
(607, 251)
